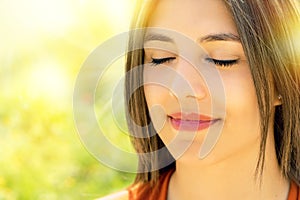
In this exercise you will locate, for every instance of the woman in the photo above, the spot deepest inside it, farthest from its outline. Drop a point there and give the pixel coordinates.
(251, 46)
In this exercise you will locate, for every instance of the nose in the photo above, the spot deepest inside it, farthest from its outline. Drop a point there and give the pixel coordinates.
(188, 81)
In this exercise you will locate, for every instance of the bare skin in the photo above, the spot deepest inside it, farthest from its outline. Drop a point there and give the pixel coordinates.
(228, 171)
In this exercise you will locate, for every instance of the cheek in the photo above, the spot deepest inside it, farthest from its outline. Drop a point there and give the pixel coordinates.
(156, 97)
(241, 129)
(242, 113)
(155, 94)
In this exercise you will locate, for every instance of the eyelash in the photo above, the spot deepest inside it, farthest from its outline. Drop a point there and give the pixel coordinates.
(158, 61)
(220, 63)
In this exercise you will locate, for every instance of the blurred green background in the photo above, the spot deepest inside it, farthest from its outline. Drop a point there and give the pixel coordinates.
(43, 45)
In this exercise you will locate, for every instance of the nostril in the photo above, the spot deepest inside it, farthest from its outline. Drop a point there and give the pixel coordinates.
(198, 93)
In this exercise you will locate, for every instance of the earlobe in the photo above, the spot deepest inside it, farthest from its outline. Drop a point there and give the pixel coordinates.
(278, 100)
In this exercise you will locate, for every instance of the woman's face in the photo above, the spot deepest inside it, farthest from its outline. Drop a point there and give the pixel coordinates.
(183, 107)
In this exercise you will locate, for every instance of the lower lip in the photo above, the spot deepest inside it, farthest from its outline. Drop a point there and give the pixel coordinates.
(190, 125)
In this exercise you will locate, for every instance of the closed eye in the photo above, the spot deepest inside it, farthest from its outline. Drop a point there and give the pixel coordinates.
(222, 63)
(158, 61)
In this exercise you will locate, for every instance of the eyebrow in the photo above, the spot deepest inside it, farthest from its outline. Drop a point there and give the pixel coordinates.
(159, 37)
(207, 38)
(219, 37)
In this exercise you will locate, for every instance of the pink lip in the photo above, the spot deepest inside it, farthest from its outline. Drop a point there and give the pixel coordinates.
(191, 121)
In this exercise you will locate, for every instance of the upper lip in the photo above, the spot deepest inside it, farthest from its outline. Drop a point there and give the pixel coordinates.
(190, 116)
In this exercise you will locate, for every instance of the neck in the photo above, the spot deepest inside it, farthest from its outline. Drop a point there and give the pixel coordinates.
(232, 178)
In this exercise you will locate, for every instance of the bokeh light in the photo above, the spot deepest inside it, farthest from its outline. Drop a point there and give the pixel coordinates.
(43, 45)
(47, 80)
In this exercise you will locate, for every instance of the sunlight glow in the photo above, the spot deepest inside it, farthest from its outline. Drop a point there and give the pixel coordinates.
(43, 45)
(118, 11)
(26, 20)
(116, 8)
(47, 80)
(50, 16)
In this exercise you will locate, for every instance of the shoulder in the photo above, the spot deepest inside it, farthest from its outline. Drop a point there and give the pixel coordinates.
(122, 195)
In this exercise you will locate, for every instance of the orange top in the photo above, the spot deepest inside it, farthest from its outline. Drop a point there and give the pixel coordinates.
(294, 193)
(160, 190)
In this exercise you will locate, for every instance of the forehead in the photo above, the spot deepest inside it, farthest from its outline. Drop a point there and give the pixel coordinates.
(194, 18)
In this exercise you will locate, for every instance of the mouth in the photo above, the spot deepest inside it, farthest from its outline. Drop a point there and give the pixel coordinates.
(191, 121)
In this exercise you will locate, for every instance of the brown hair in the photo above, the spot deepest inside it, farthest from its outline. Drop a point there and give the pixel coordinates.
(269, 31)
